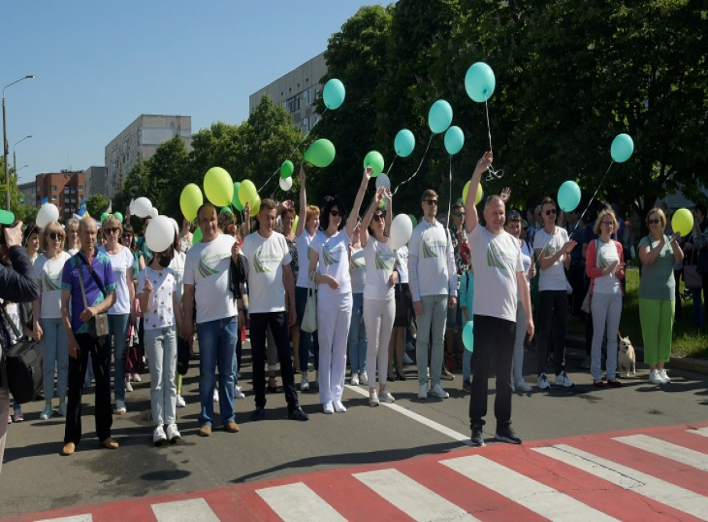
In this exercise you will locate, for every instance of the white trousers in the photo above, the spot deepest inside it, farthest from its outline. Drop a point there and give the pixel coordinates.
(606, 314)
(378, 320)
(333, 320)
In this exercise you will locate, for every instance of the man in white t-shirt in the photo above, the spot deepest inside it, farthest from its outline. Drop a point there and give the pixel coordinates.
(270, 280)
(552, 249)
(498, 273)
(206, 281)
(433, 285)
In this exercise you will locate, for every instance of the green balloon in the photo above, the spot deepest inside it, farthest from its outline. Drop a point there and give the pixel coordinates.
(321, 153)
(286, 169)
(226, 210)
(375, 160)
(118, 216)
(235, 201)
(413, 220)
(104, 216)
(197, 236)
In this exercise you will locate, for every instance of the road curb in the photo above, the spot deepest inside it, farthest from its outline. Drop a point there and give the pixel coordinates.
(689, 364)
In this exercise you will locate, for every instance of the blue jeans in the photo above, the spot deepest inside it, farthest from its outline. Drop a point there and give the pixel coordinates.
(217, 343)
(161, 347)
(55, 351)
(356, 342)
(305, 337)
(118, 330)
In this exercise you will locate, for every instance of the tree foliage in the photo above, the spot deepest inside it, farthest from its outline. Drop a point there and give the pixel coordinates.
(96, 205)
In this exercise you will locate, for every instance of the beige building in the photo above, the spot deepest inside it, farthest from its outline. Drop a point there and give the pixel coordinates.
(296, 91)
(95, 181)
(140, 141)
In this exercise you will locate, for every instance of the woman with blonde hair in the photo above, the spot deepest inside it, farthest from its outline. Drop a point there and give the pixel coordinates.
(47, 327)
(605, 268)
(73, 241)
(658, 253)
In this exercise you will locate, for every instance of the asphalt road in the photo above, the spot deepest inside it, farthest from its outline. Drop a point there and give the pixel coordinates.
(35, 477)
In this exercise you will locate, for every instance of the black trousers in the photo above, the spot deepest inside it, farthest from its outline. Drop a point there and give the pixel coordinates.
(552, 311)
(492, 336)
(279, 326)
(100, 350)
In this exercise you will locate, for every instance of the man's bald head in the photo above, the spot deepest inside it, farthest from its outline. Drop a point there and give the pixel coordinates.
(87, 224)
(493, 200)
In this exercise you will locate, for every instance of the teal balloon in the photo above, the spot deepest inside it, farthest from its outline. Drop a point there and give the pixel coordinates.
(118, 216)
(321, 153)
(454, 140)
(440, 116)
(235, 201)
(104, 216)
(480, 82)
(468, 336)
(286, 169)
(569, 196)
(333, 94)
(622, 148)
(375, 160)
(404, 143)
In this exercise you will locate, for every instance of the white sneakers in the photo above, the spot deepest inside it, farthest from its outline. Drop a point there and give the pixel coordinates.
(521, 386)
(328, 408)
(173, 433)
(158, 436)
(339, 407)
(664, 376)
(180, 402)
(354, 380)
(543, 383)
(238, 394)
(437, 391)
(659, 377)
(563, 380)
(304, 383)
(364, 378)
(373, 398)
(385, 396)
(423, 391)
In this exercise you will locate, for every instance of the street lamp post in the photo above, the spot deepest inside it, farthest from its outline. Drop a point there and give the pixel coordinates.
(14, 155)
(6, 145)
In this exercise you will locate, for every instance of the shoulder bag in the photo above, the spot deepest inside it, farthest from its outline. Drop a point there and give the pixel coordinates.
(309, 317)
(587, 302)
(691, 277)
(98, 324)
(24, 366)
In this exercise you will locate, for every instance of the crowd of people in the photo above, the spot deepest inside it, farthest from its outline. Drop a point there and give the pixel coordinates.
(101, 303)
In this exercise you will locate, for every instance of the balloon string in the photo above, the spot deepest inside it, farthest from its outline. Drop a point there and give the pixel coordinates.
(592, 198)
(419, 166)
(391, 165)
(492, 173)
(449, 201)
(489, 129)
(295, 149)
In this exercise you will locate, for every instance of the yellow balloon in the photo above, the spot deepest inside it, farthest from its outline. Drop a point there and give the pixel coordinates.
(218, 186)
(247, 192)
(480, 193)
(190, 200)
(255, 206)
(682, 221)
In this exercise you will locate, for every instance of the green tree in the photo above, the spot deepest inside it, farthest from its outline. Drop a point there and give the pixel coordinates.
(164, 169)
(96, 205)
(135, 186)
(22, 211)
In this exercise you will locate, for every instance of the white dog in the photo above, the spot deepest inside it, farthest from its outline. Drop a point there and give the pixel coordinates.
(626, 359)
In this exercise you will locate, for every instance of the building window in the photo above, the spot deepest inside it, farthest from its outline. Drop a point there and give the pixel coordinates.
(81, 187)
(54, 198)
(54, 187)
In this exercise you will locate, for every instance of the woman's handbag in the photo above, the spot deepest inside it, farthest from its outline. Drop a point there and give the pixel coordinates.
(309, 318)
(693, 280)
(24, 366)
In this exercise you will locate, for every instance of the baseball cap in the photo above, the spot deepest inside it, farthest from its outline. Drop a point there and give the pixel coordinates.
(6, 217)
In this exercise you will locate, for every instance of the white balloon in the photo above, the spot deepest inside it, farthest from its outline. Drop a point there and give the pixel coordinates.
(141, 207)
(154, 213)
(159, 234)
(383, 181)
(47, 213)
(401, 230)
(286, 183)
(175, 226)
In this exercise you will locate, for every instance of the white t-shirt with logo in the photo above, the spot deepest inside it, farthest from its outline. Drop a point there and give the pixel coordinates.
(357, 270)
(207, 268)
(303, 243)
(431, 261)
(402, 264)
(161, 314)
(266, 258)
(333, 260)
(526, 256)
(177, 266)
(122, 264)
(605, 256)
(496, 259)
(48, 273)
(380, 263)
(552, 278)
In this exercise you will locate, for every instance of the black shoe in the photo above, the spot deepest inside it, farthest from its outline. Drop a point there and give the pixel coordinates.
(477, 438)
(400, 376)
(298, 414)
(507, 434)
(391, 378)
(259, 414)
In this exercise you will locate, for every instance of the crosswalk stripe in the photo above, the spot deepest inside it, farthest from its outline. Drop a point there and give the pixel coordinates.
(700, 431)
(193, 510)
(415, 500)
(668, 450)
(298, 503)
(630, 479)
(77, 518)
(533, 495)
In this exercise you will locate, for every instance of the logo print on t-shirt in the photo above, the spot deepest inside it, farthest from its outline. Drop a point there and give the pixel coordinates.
(205, 270)
(427, 250)
(258, 264)
(494, 257)
(49, 286)
(327, 252)
(357, 262)
(380, 262)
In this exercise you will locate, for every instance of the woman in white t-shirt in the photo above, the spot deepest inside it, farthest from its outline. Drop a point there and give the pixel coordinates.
(48, 329)
(379, 302)
(157, 290)
(329, 259)
(356, 340)
(122, 314)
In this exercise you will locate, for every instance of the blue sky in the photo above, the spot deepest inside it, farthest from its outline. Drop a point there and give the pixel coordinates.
(99, 65)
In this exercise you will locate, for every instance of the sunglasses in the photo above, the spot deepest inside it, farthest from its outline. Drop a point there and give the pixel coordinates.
(459, 214)
(655, 221)
(56, 235)
(551, 212)
(127, 236)
(112, 230)
(431, 202)
(336, 213)
(377, 217)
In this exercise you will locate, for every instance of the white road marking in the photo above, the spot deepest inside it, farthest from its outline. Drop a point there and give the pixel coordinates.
(631, 479)
(700, 431)
(414, 499)
(76, 518)
(193, 510)
(298, 503)
(533, 495)
(668, 450)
